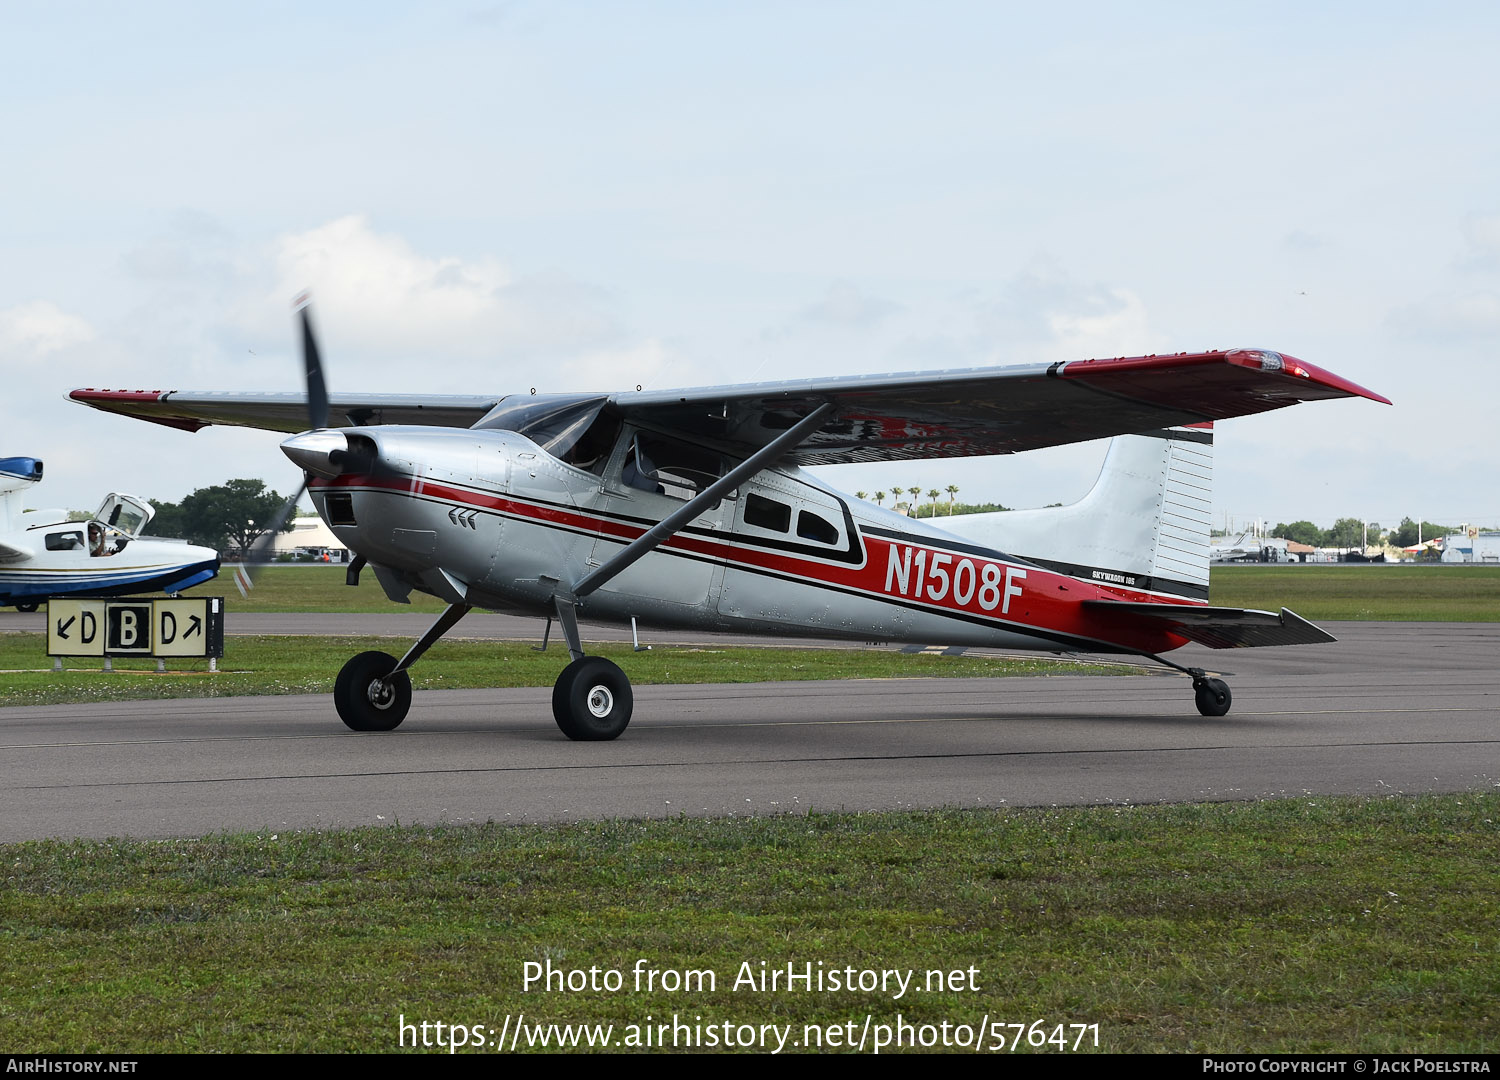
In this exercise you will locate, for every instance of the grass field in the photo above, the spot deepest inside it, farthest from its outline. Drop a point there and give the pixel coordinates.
(1364, 592)
(1300, 925)
(307, 665)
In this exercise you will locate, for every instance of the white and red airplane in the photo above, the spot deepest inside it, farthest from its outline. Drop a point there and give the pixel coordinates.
(692, 509)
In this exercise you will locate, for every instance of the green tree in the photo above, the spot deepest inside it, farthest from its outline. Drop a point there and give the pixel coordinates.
(226, 515)
(1301, 532)
(1347, 532)
(168, 520)
(1407, 533)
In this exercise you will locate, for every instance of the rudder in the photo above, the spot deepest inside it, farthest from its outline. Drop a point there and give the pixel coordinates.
(1144, 524)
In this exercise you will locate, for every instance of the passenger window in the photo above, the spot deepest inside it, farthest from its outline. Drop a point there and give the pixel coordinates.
(65, 541)
(766, 513)
(812, 527)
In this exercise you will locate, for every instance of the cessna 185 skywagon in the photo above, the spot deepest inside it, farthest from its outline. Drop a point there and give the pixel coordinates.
(691, 508)
(43, 554)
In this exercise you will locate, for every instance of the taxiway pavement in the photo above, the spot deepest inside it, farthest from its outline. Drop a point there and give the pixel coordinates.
(1391, 707)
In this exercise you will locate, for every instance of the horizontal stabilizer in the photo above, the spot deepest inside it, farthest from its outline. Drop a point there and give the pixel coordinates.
(1217, 627)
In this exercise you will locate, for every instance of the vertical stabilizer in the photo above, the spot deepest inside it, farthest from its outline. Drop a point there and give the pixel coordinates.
(1143, 525)
(16, 475)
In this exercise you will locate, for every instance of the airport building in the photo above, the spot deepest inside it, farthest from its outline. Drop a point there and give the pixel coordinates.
(1469, 545)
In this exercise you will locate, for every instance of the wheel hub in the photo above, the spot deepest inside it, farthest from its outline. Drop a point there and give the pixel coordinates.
(601, 701)
(380, 694)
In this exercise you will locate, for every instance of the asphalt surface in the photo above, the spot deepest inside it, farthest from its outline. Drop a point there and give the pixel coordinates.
(1392, 707)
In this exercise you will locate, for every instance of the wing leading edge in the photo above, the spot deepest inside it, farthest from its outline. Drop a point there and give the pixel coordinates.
(964, 413)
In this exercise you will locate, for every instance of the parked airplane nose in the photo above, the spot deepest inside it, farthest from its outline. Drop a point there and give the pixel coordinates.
(324, 453)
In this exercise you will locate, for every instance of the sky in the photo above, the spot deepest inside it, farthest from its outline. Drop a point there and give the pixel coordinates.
(484, 198)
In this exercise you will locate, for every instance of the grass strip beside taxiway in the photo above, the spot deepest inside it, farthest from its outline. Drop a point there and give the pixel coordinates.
(1307, 924)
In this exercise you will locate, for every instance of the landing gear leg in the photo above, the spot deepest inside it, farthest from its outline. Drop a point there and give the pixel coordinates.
(591, 700)
(373, 690)
(1211, 695)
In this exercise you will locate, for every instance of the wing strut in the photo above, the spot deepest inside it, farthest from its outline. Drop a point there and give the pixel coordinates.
(567, 601)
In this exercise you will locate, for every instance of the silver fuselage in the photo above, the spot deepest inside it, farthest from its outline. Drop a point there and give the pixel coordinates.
(489, 519)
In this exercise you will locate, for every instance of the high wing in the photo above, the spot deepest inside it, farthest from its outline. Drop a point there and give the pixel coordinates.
(964, 413)
(191, 410)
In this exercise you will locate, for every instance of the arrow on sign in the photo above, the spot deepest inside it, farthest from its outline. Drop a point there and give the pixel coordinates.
(195, 626)
(62, 627)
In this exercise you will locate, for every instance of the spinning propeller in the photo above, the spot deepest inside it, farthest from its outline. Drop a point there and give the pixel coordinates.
(317, 417)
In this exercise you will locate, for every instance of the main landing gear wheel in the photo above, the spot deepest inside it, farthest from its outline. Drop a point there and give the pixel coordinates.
(591, 701)
(1213, 696)
(366, 699)
(28, 605)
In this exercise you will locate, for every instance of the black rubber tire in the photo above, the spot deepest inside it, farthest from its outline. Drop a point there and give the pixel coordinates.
(1213, 697)
(591, 700)
(358, 708)
(28, 605)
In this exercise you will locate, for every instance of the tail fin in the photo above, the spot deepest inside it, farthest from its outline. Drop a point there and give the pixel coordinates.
(1144, 524)
(16, 475)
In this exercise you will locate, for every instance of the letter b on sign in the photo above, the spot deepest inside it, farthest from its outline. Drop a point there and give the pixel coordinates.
(129, 629)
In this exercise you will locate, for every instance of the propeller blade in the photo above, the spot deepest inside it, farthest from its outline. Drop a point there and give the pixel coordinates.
(317, 390)
(260, 549)
(259, 553)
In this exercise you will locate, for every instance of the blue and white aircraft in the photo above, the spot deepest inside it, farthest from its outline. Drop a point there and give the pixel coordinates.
(43, 554)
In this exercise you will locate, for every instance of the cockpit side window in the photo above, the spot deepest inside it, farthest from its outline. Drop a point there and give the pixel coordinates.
(668, 467)
(72, 540)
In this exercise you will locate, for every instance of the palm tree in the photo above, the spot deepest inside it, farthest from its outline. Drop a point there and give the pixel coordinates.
(952, 491)
(861, 495)
(916, 493)
(895, 497)
(933, 495)
(880, 498)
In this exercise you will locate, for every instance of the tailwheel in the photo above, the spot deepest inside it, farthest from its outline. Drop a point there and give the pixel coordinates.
(28, 605)
(1212, 696)
(368, 697)
(591, 701)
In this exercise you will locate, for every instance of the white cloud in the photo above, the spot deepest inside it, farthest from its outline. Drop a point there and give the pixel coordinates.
(1449, 317)
(1055, 316)
(387, 298)
(650, 364)
(33, 330)
(1481, 242)
(844, 305)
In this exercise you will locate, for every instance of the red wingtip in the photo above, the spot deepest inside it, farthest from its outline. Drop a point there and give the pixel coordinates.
(1267, 360)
